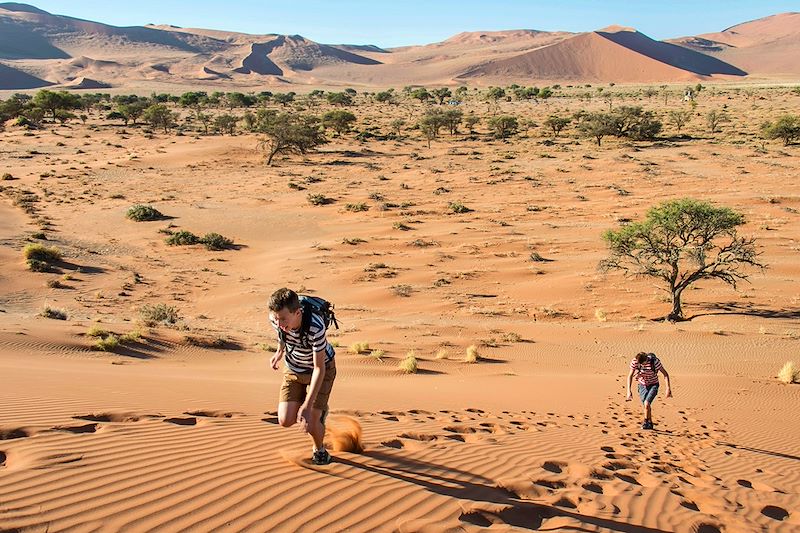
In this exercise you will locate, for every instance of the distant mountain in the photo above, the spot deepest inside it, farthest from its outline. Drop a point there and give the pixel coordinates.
(767, 47)
(39, 49)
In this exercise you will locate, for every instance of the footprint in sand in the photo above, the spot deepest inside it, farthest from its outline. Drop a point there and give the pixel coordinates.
(619, 465)
(190, 421)
(563, 501)
(556, 467)
(213, 414)
(115, 417)
(85, 428)
(270, 420)
(775, 512)
(422, 437)
(552, 484)
(393, 443)
(593, 487)
(3, 458)
(688, 504)
(705, 527)
(16, 433)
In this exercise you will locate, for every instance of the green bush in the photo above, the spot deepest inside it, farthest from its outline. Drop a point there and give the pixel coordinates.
(319, 199)
(142, 213)
(355, 208)
(458, 207)
(108, 343)
(182, 238)
(215, 241)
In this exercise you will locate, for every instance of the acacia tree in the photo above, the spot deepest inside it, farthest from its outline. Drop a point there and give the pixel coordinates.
(556, 123)
(679, 118)
(53, 102)
(504, 125)
(681, 242)
(159, 115)
(339, 120)
(596, 125)
(285, 133)
(786, 128)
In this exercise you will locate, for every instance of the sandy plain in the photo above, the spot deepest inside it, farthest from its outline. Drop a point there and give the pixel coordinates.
(177, 430)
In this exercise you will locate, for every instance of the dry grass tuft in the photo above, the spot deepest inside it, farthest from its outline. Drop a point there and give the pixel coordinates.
(359, 348)
(789, 373)
(472, 355)
(409, 364)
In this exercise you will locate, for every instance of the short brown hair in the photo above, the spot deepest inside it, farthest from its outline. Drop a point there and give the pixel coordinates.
(284, 298)
(641, 357)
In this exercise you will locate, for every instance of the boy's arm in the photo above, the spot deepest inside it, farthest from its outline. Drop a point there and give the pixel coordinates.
(304, 414)
(630, 380)
(276, 358)
(666, 378)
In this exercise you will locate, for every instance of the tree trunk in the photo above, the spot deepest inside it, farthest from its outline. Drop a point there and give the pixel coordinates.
(676, 315)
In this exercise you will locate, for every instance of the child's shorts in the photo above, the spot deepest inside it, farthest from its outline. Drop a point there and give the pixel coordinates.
(647, 393)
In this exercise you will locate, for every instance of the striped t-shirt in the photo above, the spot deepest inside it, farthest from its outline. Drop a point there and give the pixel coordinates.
(647, 372)
(299, 354)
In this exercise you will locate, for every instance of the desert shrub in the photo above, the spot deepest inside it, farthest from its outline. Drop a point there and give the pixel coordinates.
(458, 207)
(55, 314)
(131, 336)
(355, 208)
(441, 353)
(353, 241)
(401, 226)
(714, 118)
(377, 354)
(408, 365)
(109, 343)
(96, 331)
(215, 241)
(143, 213)
(472, 355)
(7, 177)
(55, 284)
(182, 238)
(789, 373)
(319, 199)
(402, 290)
(359, 348)
(158, 313)
(41, 253)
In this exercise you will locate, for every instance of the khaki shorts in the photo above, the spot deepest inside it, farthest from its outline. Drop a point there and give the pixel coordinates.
(295, 386)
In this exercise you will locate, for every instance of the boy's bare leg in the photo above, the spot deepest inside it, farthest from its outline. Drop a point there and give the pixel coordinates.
(287, 413)
(316, 429)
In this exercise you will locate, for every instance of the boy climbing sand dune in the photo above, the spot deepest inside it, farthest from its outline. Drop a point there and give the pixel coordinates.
(645, 367)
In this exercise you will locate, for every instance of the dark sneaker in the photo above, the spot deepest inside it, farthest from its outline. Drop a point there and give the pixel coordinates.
(321, 457)
(647, 425)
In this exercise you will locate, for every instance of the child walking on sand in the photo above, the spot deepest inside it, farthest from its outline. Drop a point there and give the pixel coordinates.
(646, 366)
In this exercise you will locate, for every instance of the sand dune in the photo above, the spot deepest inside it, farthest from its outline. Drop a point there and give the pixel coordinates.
(621, 55)
(53, 47)
(12, 78)
(763, 47)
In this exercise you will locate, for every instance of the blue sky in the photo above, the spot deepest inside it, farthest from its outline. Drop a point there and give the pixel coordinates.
(405, 22)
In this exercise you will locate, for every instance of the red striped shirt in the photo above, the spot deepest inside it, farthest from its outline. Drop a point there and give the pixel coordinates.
(647, 372)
